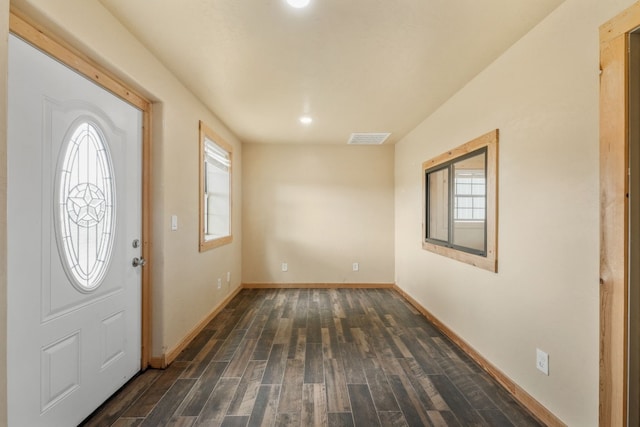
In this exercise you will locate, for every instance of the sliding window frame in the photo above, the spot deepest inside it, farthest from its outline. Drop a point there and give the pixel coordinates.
(488, 258)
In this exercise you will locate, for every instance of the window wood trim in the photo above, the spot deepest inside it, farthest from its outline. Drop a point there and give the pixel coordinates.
(208, 133)
(490, 261)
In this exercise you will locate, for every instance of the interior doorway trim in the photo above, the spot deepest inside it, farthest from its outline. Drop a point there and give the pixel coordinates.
(25, 28)
(614, 215)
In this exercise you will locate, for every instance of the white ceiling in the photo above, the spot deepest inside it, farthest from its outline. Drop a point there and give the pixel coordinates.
(353, 65)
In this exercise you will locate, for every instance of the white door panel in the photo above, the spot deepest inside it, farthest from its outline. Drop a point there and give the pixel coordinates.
(74, 191)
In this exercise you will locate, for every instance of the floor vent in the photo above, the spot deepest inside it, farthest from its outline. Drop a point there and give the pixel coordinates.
(368, 138)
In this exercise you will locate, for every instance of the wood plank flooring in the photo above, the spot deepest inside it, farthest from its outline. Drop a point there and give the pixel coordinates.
(316, 357)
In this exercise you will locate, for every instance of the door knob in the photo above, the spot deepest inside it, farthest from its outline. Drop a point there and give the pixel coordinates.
(138, 262)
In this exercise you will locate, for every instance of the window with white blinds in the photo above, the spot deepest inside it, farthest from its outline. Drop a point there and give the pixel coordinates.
(215, 185)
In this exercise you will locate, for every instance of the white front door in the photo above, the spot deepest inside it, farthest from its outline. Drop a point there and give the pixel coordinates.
(74, 220)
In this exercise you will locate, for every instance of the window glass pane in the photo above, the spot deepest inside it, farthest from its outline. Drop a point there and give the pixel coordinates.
(86, 207)
(216, 164)
(217, 195)
(469, 229)
(479, 187)
(464, 202)
(462, 188)
(438, 205)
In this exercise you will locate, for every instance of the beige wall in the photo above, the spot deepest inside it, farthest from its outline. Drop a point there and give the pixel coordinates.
(319, 209)
(4, 24)
(543, 96)
(183, 280)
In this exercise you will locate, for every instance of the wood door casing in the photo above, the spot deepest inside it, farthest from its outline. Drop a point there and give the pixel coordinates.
(614, 215)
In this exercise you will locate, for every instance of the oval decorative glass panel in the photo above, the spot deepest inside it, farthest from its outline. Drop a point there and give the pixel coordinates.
(85, 214)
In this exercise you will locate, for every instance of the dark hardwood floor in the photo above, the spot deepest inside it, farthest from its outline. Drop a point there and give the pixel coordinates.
(316, 357)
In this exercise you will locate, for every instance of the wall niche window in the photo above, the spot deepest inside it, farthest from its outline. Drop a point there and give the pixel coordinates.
(215, 189)
(461, 194)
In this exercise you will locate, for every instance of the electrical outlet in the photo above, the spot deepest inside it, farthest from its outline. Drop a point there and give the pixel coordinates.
(542, 361)
(219, 283)
(356, 266)
(285, 267)
(228, 276)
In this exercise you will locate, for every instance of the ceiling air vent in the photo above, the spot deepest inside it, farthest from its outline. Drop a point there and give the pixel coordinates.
(368, 138)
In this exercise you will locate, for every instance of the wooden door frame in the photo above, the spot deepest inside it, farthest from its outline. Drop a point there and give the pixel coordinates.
(614, 215)
(25, 28)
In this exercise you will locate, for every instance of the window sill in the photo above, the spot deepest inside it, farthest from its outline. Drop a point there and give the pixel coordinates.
(489, 262)
(210, 244)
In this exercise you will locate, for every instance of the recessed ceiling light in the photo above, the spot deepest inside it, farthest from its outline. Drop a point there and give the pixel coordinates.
(306, 120)
(298, 4)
